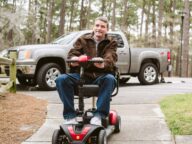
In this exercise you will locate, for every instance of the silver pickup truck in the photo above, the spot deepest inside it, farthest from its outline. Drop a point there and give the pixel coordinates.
(41, 64)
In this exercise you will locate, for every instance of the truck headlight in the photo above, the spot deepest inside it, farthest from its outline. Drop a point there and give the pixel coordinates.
(24, 54)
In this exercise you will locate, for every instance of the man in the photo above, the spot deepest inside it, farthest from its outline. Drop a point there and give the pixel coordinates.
(97, 46)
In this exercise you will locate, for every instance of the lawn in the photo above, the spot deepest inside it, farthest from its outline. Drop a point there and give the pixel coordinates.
(178, 113)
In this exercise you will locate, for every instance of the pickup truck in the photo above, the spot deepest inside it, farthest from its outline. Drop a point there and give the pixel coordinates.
(41, 64)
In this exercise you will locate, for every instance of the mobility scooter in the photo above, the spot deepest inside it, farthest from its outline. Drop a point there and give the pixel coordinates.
(84, 132)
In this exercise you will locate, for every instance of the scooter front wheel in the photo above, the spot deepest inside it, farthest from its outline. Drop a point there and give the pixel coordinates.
(55, 137)
(59, 137)
(102, 137)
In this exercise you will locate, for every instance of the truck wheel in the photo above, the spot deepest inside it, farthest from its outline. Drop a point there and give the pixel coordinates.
(124, 80)
(148, 74)
(47, 75)
(26, 81)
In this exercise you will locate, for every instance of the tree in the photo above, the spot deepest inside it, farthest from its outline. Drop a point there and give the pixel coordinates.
(103, 7)
(172, 45)
(161, 2)
(113, 15)
(81, 15)
(124, 16)
(142, 17)
(185, 49)
(72, 3)
(11, 18)
(154, 24)
(50, 17)
(147, 22)
(62, 18)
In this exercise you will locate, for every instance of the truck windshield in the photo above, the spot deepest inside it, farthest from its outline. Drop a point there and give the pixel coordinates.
(65, 39)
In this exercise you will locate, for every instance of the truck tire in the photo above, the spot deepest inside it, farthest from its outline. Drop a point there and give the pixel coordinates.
(148, 74)
(26, 81)
(124, 80)
(47, 75)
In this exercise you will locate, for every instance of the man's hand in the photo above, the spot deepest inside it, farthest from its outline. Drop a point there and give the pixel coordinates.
(74, 64)
(98, 64)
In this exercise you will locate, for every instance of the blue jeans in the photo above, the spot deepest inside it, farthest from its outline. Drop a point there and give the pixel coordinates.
(66, 84)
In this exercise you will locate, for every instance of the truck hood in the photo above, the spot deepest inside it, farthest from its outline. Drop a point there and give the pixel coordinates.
(37, 46)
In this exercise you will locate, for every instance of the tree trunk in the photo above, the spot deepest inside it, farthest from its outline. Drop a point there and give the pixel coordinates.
(172, 11)
(103, 7)
(71, 14)
(161, 2)
(147, 24)
(113, 16)
(45, 23)
(154, 26)
(142, 17)
(62, 18)
(83, 19)
(81, 15)
(50, 17)
(185, 48)
(34, 20)
(11, 32)
(124, 17)
(172, 46)
(88, 15)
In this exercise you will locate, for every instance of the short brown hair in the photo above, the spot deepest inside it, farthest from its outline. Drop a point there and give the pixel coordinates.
(103, 19)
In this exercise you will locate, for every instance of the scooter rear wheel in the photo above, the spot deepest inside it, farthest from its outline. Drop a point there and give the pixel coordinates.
(102, 137)
(118, 125)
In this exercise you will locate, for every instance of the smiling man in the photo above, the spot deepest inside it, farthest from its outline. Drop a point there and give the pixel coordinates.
(98, 46)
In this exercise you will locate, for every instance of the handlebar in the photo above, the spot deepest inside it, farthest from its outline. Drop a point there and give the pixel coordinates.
(83, 59)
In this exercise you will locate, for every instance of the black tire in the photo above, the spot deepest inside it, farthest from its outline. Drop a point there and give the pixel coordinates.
(59, 137)
(124, 80)
(102, 137)
(47, 75)
(26, 81)
(118, 125)
(148, 74)
(55, 137)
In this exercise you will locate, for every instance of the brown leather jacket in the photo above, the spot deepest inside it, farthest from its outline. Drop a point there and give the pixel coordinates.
(106, 49)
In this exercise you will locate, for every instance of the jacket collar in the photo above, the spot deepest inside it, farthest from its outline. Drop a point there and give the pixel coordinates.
(90, 36)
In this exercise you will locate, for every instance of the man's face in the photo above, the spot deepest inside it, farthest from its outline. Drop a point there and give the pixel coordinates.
(100, 29)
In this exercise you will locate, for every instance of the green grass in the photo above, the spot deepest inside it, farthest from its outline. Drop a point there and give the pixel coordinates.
(178, 113)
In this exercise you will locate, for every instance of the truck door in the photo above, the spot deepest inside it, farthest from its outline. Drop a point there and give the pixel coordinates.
(123, 53)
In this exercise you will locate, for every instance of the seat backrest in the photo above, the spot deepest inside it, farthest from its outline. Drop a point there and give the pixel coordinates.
(88, 90)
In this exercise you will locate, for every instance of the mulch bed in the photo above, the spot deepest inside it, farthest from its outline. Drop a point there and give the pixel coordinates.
(20, 117)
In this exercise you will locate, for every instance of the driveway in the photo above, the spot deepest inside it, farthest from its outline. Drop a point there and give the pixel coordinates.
(142, 119)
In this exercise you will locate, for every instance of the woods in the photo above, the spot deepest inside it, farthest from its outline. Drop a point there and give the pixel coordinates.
(146, 23)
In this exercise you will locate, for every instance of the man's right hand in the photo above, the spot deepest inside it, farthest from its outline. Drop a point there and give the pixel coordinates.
(74, 64)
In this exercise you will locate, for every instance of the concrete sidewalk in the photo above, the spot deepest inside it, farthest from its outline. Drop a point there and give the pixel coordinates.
(141, 124)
